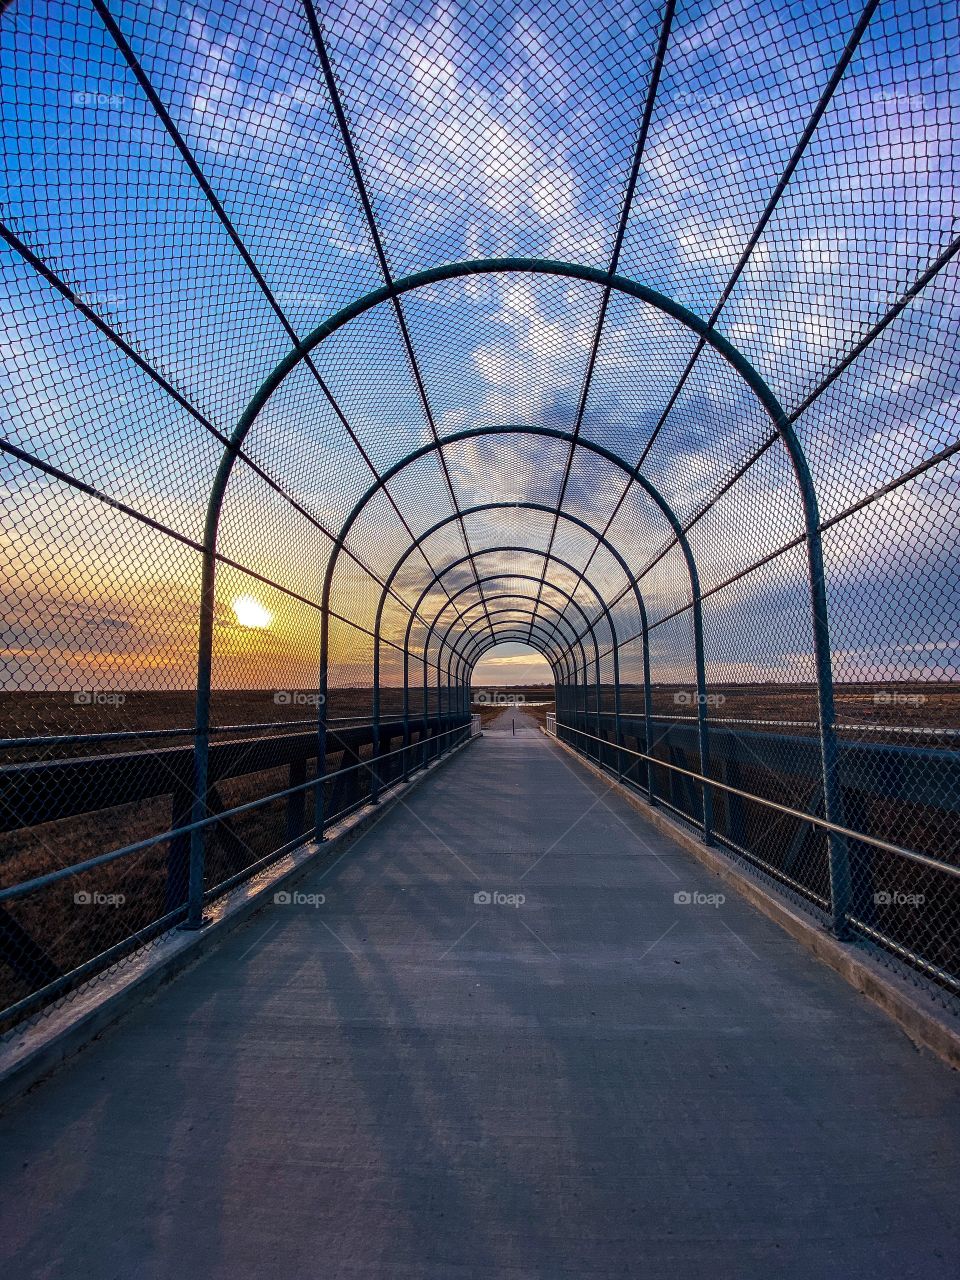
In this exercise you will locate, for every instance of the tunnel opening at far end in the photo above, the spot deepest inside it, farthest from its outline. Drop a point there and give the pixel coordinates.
(512, 685)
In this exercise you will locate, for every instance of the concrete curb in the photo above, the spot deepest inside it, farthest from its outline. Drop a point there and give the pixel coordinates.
(896, 997)
(26, 1060)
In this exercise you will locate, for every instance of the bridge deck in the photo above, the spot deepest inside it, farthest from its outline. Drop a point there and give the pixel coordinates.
(404, 1082)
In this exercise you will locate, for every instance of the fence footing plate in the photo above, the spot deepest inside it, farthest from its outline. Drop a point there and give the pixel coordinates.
(187, 927)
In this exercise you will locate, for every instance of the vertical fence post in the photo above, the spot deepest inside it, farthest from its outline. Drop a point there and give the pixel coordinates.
(425, 756)
(599, 721)
(838, 852)
(648, 711)
(375, 725)
(405, 755)
(201, 742)
(702, 731)
(319, 815)
(617, 726)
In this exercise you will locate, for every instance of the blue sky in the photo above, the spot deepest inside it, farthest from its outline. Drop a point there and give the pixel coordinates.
(484, 132)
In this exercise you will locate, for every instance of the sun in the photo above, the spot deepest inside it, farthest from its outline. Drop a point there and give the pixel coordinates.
(249, 612)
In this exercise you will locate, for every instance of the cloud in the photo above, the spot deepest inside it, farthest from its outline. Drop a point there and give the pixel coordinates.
(511, 664)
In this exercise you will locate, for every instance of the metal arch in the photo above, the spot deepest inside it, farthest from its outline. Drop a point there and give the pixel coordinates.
(492, 577)
(465, 660)
(507, 638)
(638, 596)
(839, 869)
(602, 540)
(569, 672)
(463, 663)
(521, 636)
(568, 644)
(440, 524)
(498, 637)
(564, 677)
(556, 433)
(590, 446)
(485, 551)
(456, 652)
(509, 574)
(470, 433)
(457, 667)
(491, 266)
(547, 432)
(470, 633)
(457, 656)
(450, 271)
(488, 645)
(570, 597)
(564, 666)
(462, 656)
(522, 576)
(568, 684)
(511, 506)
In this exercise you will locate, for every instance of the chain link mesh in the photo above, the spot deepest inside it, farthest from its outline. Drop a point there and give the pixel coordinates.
(686, 331)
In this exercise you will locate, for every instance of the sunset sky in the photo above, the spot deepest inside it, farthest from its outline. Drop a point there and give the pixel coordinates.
(519, 144)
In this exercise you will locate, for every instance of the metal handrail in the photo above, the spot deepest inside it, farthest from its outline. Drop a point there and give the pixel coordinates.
(63, 873)
(923, 859)
(131, 735)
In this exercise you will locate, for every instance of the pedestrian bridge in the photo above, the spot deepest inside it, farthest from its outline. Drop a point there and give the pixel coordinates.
(354, 354)
(513, 1030)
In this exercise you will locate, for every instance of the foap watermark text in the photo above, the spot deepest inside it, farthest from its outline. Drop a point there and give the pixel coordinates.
(495, 898)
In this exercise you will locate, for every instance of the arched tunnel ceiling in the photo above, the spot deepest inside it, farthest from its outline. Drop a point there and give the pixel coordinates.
(684, 220)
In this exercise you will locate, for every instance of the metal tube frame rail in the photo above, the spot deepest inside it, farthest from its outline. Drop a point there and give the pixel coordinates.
(824, 824)
(149, 842)
(783, 426)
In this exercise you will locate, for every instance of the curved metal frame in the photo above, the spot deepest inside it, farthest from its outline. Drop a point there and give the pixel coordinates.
(473, 586)
(839, 871)
(522, 577)
(458, 656)
(646, 485)
(456, 680)
(601, 539)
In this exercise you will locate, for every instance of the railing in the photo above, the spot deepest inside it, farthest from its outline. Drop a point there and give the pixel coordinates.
(551, 724)
(474, 726)
(60, 927)
(903, 899)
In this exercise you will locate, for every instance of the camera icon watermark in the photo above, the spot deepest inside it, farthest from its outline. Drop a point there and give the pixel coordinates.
(891, 699)
(494, 898)
(112, 101)
(298, 698)
(294, 898)
(83, 898)
(893, 898)
(491, 698)
(694, 898)
(97, 698)
(685, 699)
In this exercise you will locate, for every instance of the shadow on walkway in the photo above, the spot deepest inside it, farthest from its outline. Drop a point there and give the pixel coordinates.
(499, 1047)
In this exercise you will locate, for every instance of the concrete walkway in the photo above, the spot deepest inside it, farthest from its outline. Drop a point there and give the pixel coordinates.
(427, 1076)
(513, 720)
